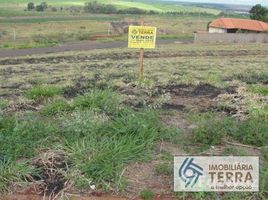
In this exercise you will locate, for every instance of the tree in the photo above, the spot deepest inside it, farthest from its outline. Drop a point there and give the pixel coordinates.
(30, 6)
(44, 5)
(40, 8)
(258, 12)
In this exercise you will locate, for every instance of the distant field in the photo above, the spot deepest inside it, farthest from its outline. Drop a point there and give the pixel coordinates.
(19, 6)
(47, 31)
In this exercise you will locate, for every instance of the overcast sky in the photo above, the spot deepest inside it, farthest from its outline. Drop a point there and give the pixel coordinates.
(244, 2)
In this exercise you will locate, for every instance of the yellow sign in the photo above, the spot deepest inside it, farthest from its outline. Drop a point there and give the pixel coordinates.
(141, 37)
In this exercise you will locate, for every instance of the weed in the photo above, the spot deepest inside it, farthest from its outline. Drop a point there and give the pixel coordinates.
(55, 107)
(19, 138)
(164, 169)
(3, 104)
(100, 146)
(105, 100)
(42, 91)
(252, 78)
(259, 89)
(212, 129)
(166, 156)
(147, 194)
(252, 131)
(233, 151)
(13, 172)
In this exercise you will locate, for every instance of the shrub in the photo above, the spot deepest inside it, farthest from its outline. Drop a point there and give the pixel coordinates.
(95, 7)
(54, 9)
(42, 7)
(30, 6)
(42, 91)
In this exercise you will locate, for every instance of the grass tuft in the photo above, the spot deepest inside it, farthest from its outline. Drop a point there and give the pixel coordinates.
(147, 195)
(259, 89)
(13, 172)
(104, 100)
(42, 91)
(56, 107)
(212, 129)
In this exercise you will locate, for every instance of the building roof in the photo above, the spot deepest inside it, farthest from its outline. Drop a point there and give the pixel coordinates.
(243, 24)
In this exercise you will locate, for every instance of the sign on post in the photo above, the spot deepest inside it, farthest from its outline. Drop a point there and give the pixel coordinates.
(141, 37)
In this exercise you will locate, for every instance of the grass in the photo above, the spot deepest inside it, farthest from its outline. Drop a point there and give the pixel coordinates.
(56, 107)
(164, 169)
(42, 92)
(13, 172)
(102, 131)
(147, 194)
(105, 100)
(259, 89)
(212, 129)
(99, 142)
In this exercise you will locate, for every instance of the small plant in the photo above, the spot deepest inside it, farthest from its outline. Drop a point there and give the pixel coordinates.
(105, 100)
(13, 172)
(259, 89)
(42, 91)
(232, 151)
(211, 129)
(164, 169)
(56, 107)
(147, 195)
(3, 104)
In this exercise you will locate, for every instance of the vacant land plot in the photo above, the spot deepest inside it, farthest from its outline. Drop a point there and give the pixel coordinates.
(85, 123)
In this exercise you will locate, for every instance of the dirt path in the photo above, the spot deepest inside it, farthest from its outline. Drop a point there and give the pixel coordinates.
(78, 46)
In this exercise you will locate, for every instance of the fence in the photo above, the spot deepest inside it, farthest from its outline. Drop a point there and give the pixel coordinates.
(231, 37)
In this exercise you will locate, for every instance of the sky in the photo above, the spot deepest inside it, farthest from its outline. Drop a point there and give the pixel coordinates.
(243, 2)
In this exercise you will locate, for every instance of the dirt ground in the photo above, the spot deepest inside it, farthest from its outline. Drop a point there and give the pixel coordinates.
(184, 99)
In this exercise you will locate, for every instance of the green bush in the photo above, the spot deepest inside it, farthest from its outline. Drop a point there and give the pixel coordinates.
(42, 91)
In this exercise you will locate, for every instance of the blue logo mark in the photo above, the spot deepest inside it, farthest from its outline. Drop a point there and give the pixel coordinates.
(189, 172)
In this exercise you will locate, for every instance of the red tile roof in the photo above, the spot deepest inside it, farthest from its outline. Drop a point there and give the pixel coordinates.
(243, 24)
